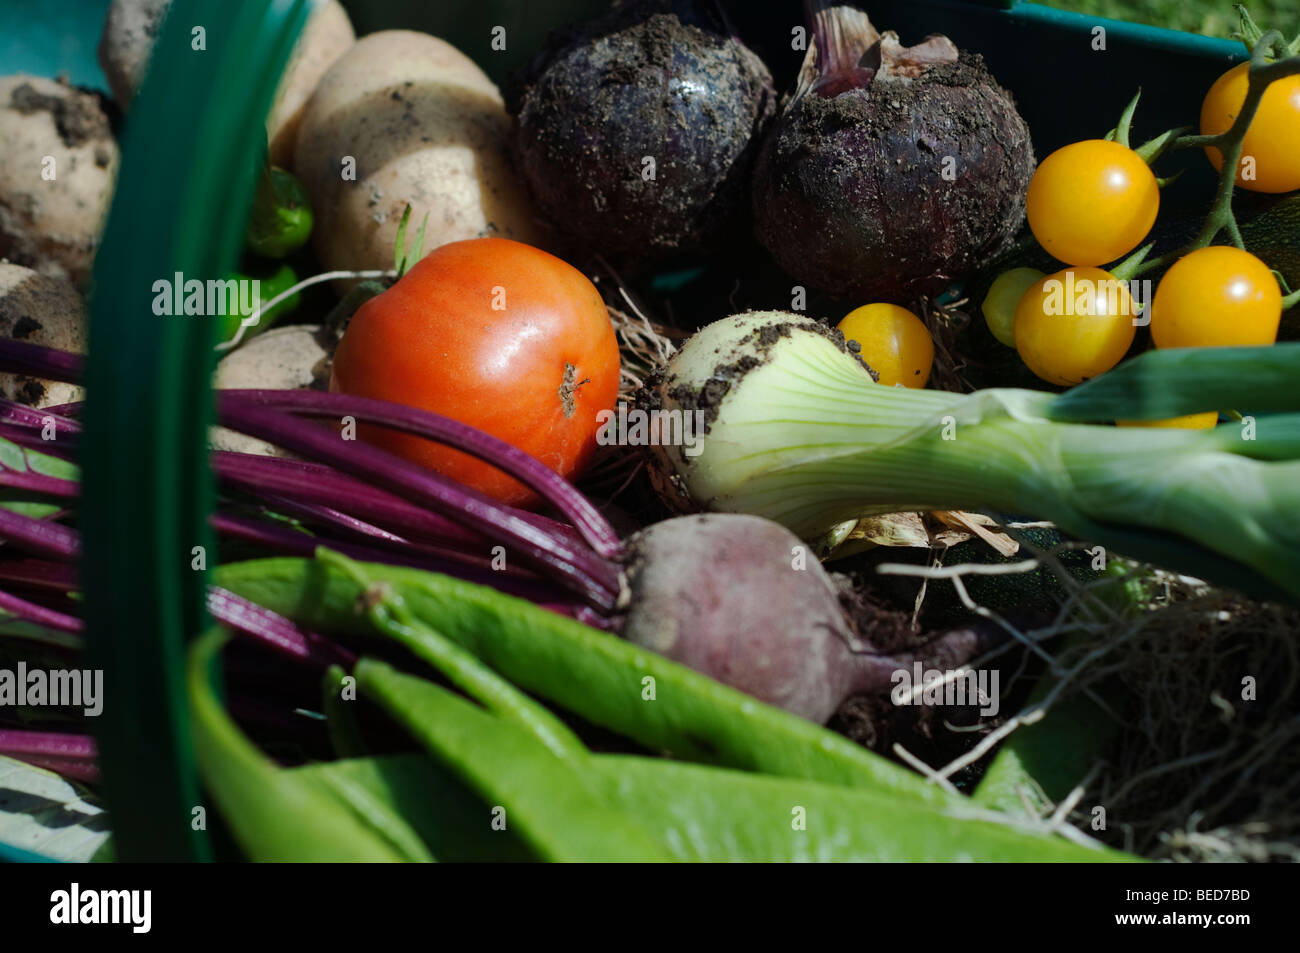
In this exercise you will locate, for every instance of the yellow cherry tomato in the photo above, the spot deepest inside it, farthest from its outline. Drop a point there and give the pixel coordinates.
(1216, 297)
(999, 307)
(1091, 202)
(1187, 422)
(894, 342)
(1074, 325)
(1270, 152)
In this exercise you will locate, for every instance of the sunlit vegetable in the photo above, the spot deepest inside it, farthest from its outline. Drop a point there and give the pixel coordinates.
(1216, 296)
(893, 341)
(1270, 153)
(1187, 421)
(799, 433)
(999, 305)
(1074, 325)
(495, 334)
(1091, 202)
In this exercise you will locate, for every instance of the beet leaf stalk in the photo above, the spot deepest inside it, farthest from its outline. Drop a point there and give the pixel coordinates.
(581, 557)
(801, 434)
(72, 756)
(585, 572)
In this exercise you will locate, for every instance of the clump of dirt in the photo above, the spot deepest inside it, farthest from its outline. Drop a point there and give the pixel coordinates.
(77, 117)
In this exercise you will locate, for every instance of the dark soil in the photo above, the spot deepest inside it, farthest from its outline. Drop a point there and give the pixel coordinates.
(77, 116)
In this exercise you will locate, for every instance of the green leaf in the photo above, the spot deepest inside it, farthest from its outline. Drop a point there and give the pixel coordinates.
(1153, 149)
(417, 246)
(22, 460)
(1041, 763)
(1120, 132)
(702, 813)
(1177, 381)
(27, 631)
(46, 814)
(399, 243)
(276, 815)
(545, 799)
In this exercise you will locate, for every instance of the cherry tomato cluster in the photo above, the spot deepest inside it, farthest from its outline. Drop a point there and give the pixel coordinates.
(1093, 202)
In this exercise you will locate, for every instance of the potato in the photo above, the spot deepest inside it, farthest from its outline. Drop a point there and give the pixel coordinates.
(132, 26)
(44, 310)
(283, 358)
(57, 169)
(401, 118)
(126, 42)
(327, 36)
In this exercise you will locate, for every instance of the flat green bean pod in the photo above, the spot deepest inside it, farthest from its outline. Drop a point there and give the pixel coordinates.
(544, 798)
(276, 815)
(660, 704)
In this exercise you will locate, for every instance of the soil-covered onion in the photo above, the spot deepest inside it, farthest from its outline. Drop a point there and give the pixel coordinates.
(636, 131)
(891, 171)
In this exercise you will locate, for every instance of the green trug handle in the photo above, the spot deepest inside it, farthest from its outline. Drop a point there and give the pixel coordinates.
(190, 151)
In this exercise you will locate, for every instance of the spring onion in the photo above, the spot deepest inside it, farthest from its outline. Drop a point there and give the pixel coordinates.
(798, 432)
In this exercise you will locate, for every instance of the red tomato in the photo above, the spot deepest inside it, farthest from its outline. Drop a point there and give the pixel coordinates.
(496, 334)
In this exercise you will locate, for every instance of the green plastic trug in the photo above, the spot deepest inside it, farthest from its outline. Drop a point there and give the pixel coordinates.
(190, 152)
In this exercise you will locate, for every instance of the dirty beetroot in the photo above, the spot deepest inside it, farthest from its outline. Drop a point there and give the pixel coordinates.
(636, 131)
(872, 128)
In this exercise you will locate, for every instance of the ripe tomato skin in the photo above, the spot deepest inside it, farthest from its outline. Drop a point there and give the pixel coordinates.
(1187, 422)
(1066, 336)
(1218, 296)
(1091, 202)
(1273, 139)
(895, 343)
(435, 341)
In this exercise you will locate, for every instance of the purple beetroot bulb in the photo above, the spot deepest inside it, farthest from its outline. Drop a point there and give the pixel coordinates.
(891, 171)
(636, 131)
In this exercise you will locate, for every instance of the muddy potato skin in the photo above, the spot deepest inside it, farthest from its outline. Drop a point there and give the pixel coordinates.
(288, 358)
(53, 225)
(425, 126)
(719, 593)
(44, 310)
(132, 26)
(126, 41)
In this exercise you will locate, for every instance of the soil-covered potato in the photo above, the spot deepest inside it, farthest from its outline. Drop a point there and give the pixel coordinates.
(404, 117)
(57, 168)
(132, 26)
(289, 358)
(44, 310)
(126, 42)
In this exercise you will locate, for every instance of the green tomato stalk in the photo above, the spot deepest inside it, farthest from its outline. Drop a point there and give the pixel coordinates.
(1272, 58)
(797, 431)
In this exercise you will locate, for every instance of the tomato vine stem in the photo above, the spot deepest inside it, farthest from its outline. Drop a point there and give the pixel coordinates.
(1264, 70)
